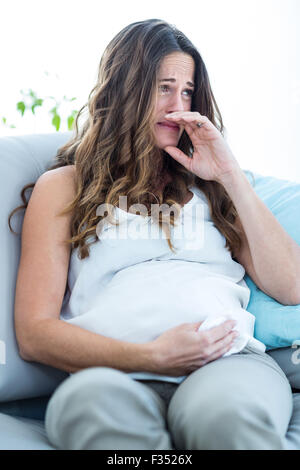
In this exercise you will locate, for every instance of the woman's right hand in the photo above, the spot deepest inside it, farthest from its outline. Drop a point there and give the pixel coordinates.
(183, 349)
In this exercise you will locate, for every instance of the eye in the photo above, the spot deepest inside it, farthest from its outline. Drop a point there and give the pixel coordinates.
(189, 92)
(164, 87)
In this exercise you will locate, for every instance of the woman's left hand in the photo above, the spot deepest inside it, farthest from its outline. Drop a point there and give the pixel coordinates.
(212, 158)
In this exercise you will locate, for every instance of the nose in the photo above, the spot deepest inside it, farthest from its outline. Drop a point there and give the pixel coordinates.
(176, 103)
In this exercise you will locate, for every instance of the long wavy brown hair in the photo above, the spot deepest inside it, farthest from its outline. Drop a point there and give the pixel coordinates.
(114, 152)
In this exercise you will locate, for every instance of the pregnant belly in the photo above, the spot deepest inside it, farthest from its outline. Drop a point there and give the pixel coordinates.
(146, 299)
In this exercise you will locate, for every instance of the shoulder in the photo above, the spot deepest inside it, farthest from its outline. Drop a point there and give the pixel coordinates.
(62, 173)
(59, 183)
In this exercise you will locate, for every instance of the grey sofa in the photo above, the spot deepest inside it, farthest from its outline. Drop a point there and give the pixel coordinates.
(25, 388)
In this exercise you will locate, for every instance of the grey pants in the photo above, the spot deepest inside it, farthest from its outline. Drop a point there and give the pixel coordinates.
(242, 401)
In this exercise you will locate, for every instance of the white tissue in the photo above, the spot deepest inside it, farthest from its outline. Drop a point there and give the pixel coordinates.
(240, 341)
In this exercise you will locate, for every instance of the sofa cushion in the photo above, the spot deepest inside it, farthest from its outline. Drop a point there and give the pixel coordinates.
(289, 361)
(276, 325)
(22, 160)
(22, 434)
(31, 408)
(293, 433)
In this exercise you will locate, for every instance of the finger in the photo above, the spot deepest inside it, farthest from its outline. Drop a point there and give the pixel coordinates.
(197, 325)
(179, 156)
(193, 119)
(218, 345)
(219, 353)
(185, 114)
(220, 331)
(189, 129)
(226, 340)
(196, 124)
(224, 348)
(193, 123)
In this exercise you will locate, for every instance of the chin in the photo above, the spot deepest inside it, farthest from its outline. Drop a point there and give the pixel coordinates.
(164, 143)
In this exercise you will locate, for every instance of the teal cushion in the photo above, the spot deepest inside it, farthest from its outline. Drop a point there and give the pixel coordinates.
(277, 325)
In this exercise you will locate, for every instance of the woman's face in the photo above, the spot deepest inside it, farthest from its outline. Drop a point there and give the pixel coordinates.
(175, 90)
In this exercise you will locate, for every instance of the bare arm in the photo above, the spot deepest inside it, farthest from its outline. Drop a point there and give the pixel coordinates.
(71, 348)
(178, 351)
(42, 276)
(269, 255)
(41, 282)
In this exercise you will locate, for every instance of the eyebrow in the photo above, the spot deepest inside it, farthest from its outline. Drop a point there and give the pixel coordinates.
(174, 80)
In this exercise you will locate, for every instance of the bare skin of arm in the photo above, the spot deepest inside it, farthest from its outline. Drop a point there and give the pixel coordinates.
(42, 276)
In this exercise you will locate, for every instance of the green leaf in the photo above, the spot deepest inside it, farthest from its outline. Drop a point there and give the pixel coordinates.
(4, 120)
(56, 122)
(21, 107)
(70, 122)
(37, 102)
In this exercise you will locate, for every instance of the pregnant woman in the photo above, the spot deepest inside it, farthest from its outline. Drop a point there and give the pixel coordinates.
(135, 244)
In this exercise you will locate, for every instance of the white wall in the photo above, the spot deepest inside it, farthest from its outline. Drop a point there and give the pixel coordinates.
(251, 50)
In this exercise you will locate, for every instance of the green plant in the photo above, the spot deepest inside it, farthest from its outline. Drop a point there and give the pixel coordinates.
(5, 123)
(30, 101)
(33, 101)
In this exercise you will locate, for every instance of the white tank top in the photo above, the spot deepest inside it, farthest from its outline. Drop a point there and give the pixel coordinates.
(132, 287)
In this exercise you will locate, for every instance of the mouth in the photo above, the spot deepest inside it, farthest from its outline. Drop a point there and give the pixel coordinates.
(169, 125)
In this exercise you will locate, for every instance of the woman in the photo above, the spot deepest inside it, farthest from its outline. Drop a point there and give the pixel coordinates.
(141, 323)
